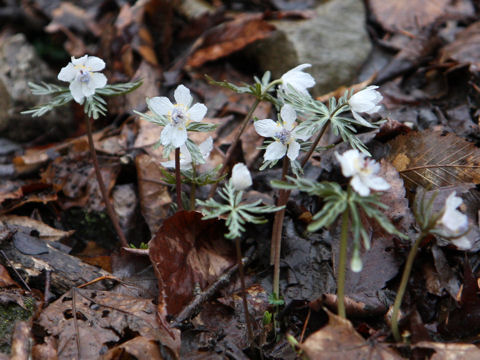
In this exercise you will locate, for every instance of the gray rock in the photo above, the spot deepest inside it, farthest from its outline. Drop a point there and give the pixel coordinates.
(334, 41)
(20, 64)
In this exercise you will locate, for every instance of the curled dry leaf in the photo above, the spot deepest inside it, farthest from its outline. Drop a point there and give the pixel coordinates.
(465, 49)
(339, 340)
(227, 38)
(187, 252)
(45, 232)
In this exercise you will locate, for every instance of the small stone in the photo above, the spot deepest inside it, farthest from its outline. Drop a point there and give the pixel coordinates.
(334, 41)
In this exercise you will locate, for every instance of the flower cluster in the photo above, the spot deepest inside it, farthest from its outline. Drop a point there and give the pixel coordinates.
(83, 76)
(283, 132)
(362, 171)
(179, 115)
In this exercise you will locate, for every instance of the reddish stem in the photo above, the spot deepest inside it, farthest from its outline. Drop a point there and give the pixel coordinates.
(178, 179)
(110, 211)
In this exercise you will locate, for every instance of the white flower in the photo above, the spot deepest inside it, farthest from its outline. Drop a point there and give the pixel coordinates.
(454, 222)
(241, 178)
(365, 101)
(82, 76)
(284, 133)
(362, 170)
(178, 115)
(299, 80)
(185, 156)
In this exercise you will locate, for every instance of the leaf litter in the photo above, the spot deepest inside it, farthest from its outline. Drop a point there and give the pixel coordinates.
(188, 255)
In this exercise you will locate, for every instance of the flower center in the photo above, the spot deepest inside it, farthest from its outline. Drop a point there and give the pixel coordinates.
(283, 136)
(178, 116)
(84, 76)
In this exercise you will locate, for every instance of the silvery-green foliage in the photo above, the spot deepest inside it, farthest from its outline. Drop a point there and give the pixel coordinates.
(317, 115)
(95, 105)
(261, 88)
(336, 201)
(237, 213)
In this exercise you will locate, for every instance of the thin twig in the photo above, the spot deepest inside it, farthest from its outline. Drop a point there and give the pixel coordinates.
(75, 321)
(103, 190)
(233, 145)
(15, 271)
(194, 306)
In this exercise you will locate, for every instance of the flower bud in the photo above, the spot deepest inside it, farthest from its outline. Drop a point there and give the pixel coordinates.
(241, 178)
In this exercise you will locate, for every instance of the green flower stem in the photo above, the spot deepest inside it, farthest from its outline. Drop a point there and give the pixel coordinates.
(233, 145)
(277, 231)
(251, 336)
(342, 262)
(178, 179)
(108, 205)
(403, 285)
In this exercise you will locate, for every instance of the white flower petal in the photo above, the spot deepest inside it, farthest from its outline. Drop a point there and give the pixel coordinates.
(97, 80)
(288, 116)
(182, 95)
(178, 136)
(86, 89)
(160, 105)
(94, 63)
(168, 164)
(241, 178)
(197, 112)
(80, 60)
(166, 135)
(453, 219)
(348, 161)
(267, 127)
(299, 80)
(462, 243)
(68, 73)
(365, 100)
(293, 150)
(76, 90)
(206, 147)
(376, 183)
(275, 151)
(359, 186)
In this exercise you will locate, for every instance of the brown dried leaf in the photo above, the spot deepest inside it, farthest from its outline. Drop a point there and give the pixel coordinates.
(396, 15)
(188, 251)
(101, 317)
(227, 38)
(434, 159)
(45, 232)
(339, 340)
(139, 348)
(5, 279)
(465, 49)
(450, 351)
(154, 197)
